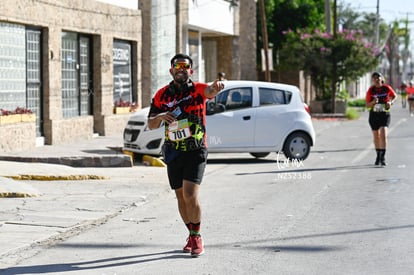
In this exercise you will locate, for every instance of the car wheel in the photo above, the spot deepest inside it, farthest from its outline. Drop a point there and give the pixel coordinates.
(259, 155)
(297, 146)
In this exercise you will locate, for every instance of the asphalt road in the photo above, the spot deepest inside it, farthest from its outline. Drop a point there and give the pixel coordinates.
(335, 213)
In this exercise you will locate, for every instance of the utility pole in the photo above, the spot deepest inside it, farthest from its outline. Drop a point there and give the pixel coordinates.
(328, 16)
(265, 40)
(335, 19)
(405, 52)
(377, 17)
(334, 68)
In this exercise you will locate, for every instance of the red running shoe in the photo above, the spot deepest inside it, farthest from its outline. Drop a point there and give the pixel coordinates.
(188, 246)
(197, 248)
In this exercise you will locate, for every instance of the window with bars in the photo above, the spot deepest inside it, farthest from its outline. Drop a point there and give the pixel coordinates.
(21, 70)
(12, 66)
(33, 76)
(76, 75)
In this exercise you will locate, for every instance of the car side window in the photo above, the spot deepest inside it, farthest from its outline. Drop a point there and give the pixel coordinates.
(239, 98)
(232, 99)
(221, 98)
(274, 97)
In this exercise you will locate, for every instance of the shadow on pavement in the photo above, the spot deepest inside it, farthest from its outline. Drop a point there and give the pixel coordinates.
(95, 264)
(255, 244)
(177, 254)
(337, 150)
(337, 168)
(238, 160)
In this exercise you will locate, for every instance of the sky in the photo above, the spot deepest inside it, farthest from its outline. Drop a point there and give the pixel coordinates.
(390, 10)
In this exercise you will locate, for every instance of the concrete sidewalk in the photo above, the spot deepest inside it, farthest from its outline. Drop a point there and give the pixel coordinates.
(45, 210)
(100, 151)
(37, 213)
(53, 192)
(97, 152)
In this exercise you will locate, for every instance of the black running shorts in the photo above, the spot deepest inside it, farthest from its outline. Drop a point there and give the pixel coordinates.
(379, 119)
(187, 166)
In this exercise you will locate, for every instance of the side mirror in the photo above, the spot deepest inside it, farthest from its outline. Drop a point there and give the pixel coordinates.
(219, 108)
(211, 107)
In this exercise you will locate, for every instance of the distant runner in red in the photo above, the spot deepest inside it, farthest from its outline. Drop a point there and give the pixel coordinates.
(181, 106)
(410, 97)
(379, 99)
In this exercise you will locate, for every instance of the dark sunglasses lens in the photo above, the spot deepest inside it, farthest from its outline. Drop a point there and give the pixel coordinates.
(181, 65)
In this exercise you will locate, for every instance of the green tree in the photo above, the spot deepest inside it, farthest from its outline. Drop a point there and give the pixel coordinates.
(282, 15)
(319, 54)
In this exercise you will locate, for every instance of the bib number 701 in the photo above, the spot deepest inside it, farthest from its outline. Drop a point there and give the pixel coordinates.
(179, 134)
(179, 130)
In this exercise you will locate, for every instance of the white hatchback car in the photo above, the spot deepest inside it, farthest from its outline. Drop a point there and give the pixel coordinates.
(247, 116)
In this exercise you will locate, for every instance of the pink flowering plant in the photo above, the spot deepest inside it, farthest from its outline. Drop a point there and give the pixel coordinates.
(18, 110)
(329, 59)
(121, 103)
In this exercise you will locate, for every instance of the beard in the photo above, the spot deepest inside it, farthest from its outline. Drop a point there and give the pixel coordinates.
(181, 78)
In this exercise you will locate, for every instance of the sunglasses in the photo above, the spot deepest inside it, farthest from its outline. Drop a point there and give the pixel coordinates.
(181, 65)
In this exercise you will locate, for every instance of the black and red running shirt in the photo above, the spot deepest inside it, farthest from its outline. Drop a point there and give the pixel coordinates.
(191, 100)
(383, 93)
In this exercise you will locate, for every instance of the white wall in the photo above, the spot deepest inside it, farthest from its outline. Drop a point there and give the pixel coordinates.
(129, 4)
(163, 37)
(212, 15)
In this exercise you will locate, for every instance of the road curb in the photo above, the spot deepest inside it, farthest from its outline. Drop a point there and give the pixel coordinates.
(53, 177)
(120, 160)
(152, 161)
(10, 188)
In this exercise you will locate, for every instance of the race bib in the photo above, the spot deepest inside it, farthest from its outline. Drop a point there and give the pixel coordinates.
(179, 130)
(379, 107)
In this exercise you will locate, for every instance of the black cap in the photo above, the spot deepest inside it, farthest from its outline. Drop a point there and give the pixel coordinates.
(377, 74)
(180, 56)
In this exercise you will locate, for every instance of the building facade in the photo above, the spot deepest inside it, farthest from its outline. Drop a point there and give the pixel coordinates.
(220, 36)
(72, 62)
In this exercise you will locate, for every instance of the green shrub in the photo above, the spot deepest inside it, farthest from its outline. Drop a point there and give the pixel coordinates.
(357, 103)
(352, 113)
(343, 95)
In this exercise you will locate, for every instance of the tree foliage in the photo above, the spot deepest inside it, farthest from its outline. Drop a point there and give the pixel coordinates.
(296, 29)
(349, 19)
(329, 59)
(282, 15)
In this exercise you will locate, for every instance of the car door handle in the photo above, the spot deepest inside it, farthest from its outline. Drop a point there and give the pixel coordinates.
(246, 118)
